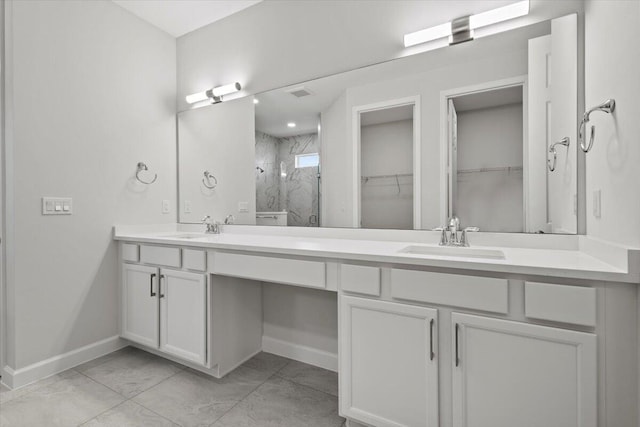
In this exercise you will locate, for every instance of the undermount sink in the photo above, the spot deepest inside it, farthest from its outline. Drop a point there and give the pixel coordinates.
(187, 236)
(453, 251)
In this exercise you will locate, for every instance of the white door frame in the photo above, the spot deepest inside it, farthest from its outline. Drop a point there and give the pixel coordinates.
(445, 95)
(417, 138)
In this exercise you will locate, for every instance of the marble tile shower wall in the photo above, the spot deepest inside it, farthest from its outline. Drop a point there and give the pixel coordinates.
(297, 191)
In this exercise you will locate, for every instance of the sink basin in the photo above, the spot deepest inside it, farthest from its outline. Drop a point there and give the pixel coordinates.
(453, 252)
(187, 236)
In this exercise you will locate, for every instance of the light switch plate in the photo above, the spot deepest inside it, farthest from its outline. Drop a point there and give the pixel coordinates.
(166, 207)
(57, 206)
(597, 203)
(187, 206)
(243, 206)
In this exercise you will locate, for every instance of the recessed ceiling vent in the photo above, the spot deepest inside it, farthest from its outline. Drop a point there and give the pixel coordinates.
(299, 91)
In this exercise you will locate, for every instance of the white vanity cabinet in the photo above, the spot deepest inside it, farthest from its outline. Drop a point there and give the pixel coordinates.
(183, 315)
(165, 309)
(140, 318)
(509, 373)
(388, 363)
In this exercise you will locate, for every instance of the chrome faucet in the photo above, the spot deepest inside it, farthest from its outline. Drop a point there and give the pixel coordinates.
(213, 227)
(449, 236)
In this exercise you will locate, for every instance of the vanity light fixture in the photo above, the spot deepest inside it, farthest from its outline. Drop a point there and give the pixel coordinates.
(215, 94)
(461, 29)
(291, 125)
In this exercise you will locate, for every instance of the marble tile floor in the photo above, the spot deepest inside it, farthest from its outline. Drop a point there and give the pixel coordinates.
(131, 387)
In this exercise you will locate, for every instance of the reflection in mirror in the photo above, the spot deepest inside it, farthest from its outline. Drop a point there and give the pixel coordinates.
(287, 175)
(485, 143)
(460, 131)
(386, 145)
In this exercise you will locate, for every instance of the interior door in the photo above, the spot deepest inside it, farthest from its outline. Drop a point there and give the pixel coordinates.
(564, 93)
(389, 366)
(140, 304)
(183, 315)
(539, 130)
(453, 157)
(509, 374)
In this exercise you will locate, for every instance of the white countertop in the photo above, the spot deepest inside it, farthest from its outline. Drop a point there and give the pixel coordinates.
(582, 262)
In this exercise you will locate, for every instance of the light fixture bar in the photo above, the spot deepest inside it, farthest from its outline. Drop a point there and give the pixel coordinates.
(215, 94)
(500, 14)
(427, 35)
(512, 11)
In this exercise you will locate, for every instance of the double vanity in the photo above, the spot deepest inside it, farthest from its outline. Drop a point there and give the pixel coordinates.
(514, 327)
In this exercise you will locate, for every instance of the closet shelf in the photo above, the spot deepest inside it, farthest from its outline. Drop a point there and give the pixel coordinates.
(398, 175)
(498, 169)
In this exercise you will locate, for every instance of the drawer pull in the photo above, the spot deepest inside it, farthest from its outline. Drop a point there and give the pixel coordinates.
(431, 352)
(151, 293)
(162, 276)
(457, 346)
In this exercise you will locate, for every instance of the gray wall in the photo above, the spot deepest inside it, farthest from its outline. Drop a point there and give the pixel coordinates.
(611, 71)
(93, 94)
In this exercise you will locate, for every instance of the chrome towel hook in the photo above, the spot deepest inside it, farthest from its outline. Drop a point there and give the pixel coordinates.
(206, 181)
(142, 167)
(609, 106)
(552, 149)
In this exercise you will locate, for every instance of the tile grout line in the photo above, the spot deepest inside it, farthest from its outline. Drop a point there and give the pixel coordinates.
(304, 385)
(37, 388)
(244, 398)
(127, 399)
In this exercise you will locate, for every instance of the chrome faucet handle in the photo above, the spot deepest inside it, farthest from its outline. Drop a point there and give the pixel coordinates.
(230, 219)
(444, 240)
(206, 220)
(463, 237)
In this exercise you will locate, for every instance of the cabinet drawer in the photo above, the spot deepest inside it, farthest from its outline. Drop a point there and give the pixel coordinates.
(130, 252)
(267, 269)
(194, 259)
(480, 293)
(560, 303)
(360, 279)
(160, 255)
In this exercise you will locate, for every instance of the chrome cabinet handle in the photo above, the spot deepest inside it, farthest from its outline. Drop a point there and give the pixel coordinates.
(457, 346)
(432, 354)
(162, 276)
(151, 293)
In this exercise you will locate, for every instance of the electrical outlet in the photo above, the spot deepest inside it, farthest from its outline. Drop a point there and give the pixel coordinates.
(166, 207)
(187, 206)
(597, 203)
(243, 206)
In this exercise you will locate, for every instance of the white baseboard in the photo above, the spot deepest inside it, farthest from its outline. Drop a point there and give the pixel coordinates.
(45, 368)
(301, 353)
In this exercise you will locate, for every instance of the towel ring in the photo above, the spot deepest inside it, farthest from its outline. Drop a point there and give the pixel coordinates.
(552, 149)
(206, 181)
(609, 106)
(142, 167)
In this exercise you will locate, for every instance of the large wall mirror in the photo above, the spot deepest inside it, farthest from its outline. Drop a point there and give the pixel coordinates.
(485, 131)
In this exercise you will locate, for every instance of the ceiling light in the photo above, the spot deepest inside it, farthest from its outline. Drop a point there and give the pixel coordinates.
(291, 124)
(480, 20)
(215, 94)
(256, 101)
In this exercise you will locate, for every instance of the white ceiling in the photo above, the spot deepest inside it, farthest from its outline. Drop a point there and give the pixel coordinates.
(179, 17)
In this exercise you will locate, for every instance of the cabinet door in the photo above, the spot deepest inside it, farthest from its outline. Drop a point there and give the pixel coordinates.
(183, 315)
(140, 304)
(509, 374)
(389, 369)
